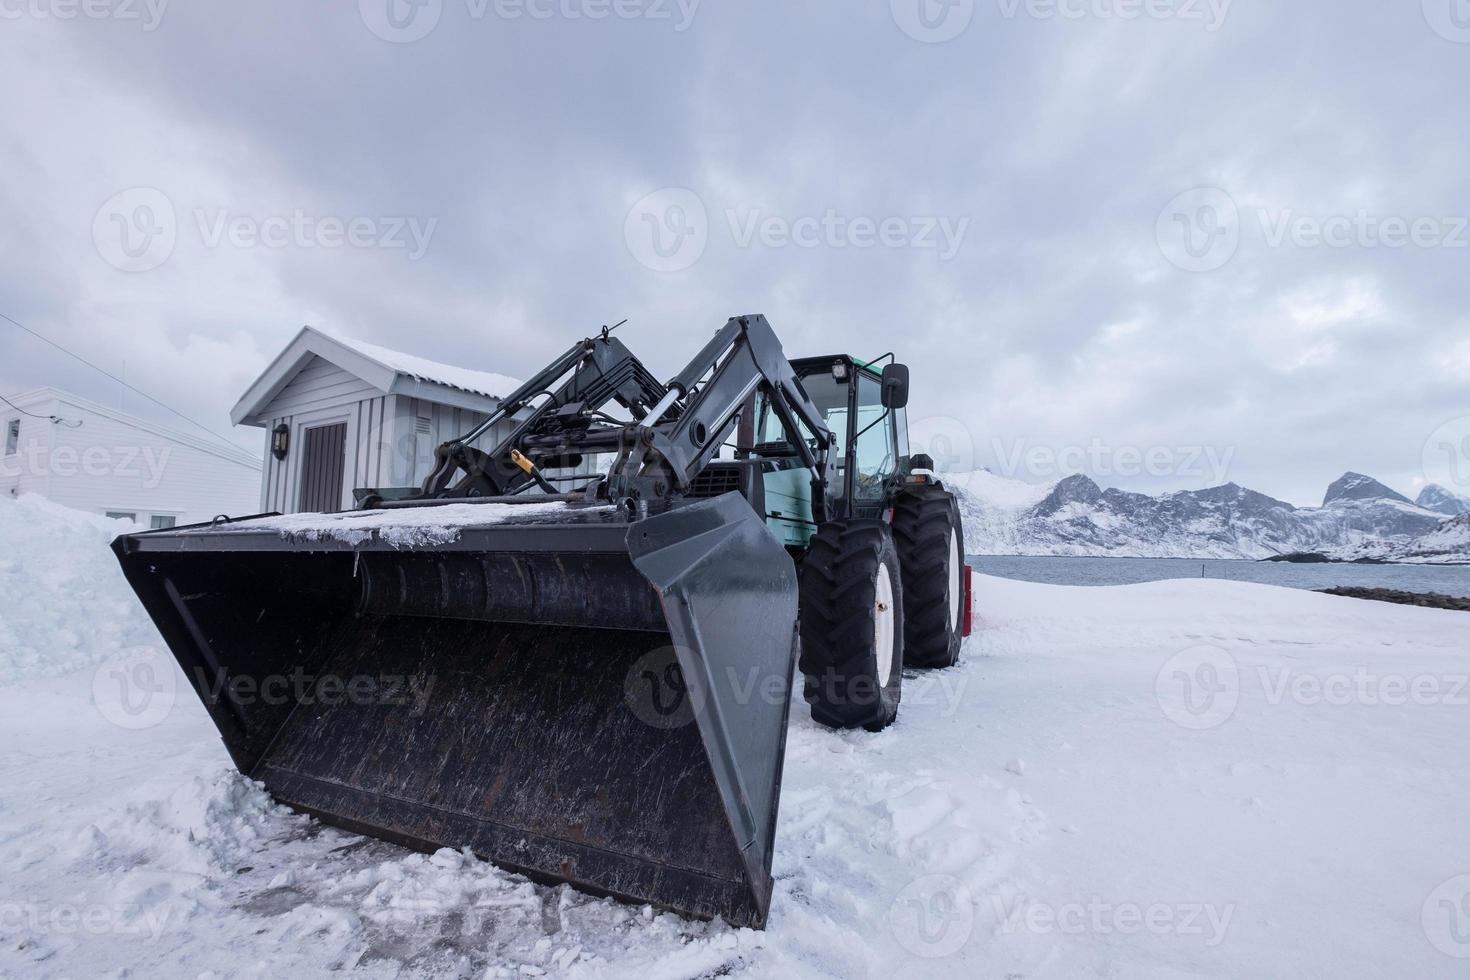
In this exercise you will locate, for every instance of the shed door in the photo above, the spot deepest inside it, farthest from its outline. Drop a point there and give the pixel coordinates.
(323, 462)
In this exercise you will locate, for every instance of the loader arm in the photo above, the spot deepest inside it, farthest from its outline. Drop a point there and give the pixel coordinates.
(743, 358)
(677, 429)
(601, 369)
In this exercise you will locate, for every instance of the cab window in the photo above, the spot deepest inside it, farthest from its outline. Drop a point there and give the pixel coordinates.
(876, 449)
(876, 458)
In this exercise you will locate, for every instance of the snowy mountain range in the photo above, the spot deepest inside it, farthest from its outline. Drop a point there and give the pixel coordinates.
(1359, 518)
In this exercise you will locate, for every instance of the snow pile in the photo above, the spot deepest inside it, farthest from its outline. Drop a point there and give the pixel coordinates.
(212, 824)
(66, 603)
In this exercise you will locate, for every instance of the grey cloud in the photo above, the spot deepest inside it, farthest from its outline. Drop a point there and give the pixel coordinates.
(1058, 320)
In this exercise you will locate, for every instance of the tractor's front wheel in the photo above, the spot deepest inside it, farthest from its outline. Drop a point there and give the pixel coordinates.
(852, 625)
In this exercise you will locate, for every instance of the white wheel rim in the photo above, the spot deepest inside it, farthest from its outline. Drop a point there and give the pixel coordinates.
(956, 590)
(883, 625)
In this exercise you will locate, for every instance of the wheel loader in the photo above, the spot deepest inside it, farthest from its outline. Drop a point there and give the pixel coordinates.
(603, 666)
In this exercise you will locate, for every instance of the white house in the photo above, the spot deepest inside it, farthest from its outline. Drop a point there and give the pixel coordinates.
(80, 454)
(342, 414)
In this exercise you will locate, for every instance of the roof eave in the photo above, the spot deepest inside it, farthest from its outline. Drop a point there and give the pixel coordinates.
(411, 387)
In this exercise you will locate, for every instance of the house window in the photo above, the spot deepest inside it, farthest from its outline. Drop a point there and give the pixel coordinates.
(12, 437)
(159, 522)
(123, 515)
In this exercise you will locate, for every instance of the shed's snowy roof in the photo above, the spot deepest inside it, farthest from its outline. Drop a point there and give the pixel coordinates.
(485, 383)
(389, 371)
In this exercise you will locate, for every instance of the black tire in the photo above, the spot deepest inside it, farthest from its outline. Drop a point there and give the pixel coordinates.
(840, 658)
(930, 538)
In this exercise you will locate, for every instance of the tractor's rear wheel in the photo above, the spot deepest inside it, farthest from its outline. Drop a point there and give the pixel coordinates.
(852, 625)
(931, 542)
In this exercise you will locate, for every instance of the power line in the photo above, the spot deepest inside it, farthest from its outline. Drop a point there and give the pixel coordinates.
(108, 374)
(54, 419)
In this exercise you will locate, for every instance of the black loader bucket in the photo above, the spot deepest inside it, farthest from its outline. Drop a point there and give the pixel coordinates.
(573, 695)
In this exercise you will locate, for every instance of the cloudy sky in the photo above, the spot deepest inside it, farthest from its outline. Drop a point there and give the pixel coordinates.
(1166, 242)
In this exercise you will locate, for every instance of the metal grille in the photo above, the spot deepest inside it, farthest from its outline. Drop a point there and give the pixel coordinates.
(714, 481)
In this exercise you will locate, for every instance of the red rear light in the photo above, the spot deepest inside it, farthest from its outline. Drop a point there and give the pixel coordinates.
(969, 626)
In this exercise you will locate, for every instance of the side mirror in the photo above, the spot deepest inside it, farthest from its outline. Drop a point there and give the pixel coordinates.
(895, 386)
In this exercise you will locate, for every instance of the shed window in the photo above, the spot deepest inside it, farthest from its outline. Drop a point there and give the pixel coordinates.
(12, 437)
(123, 515)
(159, 522)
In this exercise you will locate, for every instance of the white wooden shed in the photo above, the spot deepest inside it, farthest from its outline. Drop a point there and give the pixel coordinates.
(82, 454)
(359, 415)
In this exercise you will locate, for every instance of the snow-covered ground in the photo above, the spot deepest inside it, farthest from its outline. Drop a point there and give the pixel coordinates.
(1183, 779)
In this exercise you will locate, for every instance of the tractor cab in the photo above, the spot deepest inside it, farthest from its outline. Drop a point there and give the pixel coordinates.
(864, 408)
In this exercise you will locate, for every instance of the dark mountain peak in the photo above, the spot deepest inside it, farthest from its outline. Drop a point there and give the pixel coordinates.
(1080, 486)
(1237, 495)
(1075, 489)
(1356, 486)
(1436, 498)
(1226, 491)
